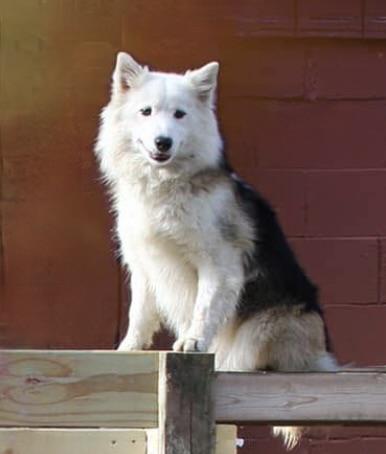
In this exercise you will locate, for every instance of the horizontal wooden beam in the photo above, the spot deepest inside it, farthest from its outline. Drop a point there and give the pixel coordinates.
(78, 389)
(121, 390)
(301, 398)
(73, 441)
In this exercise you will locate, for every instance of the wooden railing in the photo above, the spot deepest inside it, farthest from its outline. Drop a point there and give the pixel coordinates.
(164, 403)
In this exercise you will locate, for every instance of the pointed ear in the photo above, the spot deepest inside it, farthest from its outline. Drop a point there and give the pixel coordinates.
(127, 72)
(204, 80)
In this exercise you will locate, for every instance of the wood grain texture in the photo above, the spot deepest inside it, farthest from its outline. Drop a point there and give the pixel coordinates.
(78, 389)
(72, 441)
(186, 423)
(305, 398)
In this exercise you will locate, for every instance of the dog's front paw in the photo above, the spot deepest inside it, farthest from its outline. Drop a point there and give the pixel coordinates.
(189, 344)
(126, 347)
(129, 345)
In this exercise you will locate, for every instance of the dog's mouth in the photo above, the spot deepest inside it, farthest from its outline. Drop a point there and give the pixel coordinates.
(157, 156)
(160, 157)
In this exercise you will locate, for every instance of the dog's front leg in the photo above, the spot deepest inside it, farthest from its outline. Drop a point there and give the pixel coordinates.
(143, 315)
(218, 292)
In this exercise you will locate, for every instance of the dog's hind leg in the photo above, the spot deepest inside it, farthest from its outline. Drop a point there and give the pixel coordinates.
(291, 435)
(298, 344)
(280, 339)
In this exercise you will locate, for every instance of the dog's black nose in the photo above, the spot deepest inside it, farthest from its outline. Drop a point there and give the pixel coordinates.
(163, 143)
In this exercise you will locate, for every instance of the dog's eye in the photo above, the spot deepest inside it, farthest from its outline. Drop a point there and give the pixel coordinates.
(179, 114)
(146, 111)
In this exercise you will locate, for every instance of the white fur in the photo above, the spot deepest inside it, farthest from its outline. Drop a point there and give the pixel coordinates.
(183, 273)
(171, 245)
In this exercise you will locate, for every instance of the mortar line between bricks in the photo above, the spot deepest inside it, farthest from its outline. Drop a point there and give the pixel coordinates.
(296, 17)
(296, 99)
(324, 170)
(363, 12)
(348, 237)
(350, 305)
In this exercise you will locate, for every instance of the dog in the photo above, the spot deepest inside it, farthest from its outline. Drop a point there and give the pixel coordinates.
(206, 254)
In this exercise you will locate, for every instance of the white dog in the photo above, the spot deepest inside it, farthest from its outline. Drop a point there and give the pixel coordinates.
(206, 254)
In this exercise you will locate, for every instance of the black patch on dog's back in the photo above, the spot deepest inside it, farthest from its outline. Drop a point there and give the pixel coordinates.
(275, 276)
(279, 277)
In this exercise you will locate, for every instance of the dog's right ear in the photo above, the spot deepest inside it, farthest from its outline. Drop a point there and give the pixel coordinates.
(127, 73)
(204, 80)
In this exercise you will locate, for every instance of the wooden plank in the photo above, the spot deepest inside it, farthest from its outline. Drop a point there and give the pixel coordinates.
(225, 440)
(97, 441)
(301, 398)
(186, 423)
(78, 389)
(75, 441)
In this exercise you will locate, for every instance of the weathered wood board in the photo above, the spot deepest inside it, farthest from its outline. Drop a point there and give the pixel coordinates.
(97, 441)
(72, 441)
(186, 423)
(304, 398)
(78, 389)
(225, 440)
(226, 436)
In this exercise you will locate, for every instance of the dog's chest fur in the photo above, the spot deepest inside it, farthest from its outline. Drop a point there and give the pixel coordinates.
(167, 230)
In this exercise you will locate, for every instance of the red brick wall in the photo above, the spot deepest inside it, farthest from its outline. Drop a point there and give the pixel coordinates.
(313, 139)
(319, 155)
(303, 109)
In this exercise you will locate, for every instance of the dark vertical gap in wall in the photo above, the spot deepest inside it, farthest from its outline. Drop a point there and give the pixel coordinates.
(296, 17)
(120, 279)
(379, 271)
(122, 274)
(363, 12)
(2, 270)
(2, 260)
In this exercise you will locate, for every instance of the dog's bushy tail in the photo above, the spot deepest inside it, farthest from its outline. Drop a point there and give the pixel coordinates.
(291, 435)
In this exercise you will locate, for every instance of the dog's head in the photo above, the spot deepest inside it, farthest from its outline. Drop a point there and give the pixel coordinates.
(168, 118)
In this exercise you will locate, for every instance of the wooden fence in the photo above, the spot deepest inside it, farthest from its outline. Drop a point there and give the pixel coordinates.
(166, 403)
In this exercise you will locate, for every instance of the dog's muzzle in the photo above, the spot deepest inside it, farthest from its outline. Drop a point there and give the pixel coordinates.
(163, 145)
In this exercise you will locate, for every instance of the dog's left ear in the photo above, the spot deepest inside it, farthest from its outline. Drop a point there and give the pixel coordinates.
(127, 73)
(204, 81)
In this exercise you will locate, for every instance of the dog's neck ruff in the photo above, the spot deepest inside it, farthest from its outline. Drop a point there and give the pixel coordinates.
(182, 173)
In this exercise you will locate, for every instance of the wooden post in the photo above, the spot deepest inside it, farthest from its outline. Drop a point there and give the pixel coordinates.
(185, 412)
